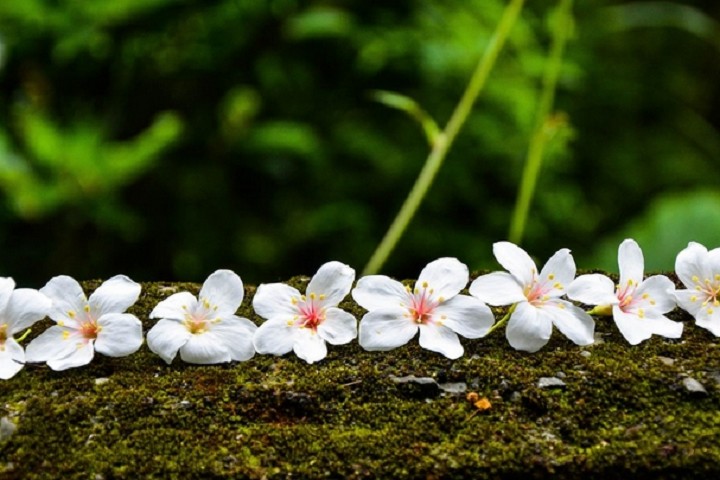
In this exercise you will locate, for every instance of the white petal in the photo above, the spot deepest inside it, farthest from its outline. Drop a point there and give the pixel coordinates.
(446, 276)
(465, 315)
(166, 337)
(236, 333)
(385, 329)
(691, 301)
(67, 296)
(55, 342)
(223, 289)
(12, 358)
(572, 321)
(692, 262)
(7, 285)
(593, 289)
(438, 338)
(630, 262)
(204, 349)
(120, 334)
(309, 345)
(527, 330)
(516, 261)
(660, 292)
(275, 300)
(334, 280)
(338, 328)
(632, 327)
(115, 295)
(709, 319)
(663, 326)
(275, 337)
(378, 291)
(25, 307)
(175, 307)
(497, 288)
(82, 355)
(558, 272)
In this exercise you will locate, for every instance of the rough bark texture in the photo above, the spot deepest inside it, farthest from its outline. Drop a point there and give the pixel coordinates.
(568, 412)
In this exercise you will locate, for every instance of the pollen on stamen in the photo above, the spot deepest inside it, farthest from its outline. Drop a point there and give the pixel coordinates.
(693, 298)
(65, 335)
(294, 301)
(645, 296)
(425, 285)
(630, 282)
(558, 285)
(710, 311)
(323, 296)
(61, 323)
(312, 296)
(641, 313)
(86, 308)
(303, 298)
(695, 278)
(717, 277)
(71, 314)
(551, 276)
(652, 302)
(716, 303)
(440, 299)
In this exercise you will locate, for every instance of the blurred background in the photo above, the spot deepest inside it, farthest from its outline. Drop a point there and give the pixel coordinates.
(165, 139)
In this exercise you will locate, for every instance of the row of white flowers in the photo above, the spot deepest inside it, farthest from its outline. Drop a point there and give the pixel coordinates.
(206, 329)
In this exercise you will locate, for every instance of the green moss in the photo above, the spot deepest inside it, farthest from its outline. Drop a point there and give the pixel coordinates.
(624, 411)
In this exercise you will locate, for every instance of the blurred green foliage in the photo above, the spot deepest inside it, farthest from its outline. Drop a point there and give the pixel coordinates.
(166, 138)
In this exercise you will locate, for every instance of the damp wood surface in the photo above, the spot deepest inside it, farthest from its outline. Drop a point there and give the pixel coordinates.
(602, 411)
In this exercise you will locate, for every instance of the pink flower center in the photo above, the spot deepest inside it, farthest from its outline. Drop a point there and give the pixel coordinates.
(89, 329)
(311, 311)
(538, 291)
(422, 304)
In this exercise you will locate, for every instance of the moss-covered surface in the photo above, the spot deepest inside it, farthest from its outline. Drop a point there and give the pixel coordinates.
(624, 411)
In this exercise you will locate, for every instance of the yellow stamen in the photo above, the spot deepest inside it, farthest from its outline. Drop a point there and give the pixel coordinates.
(65, 335)
(551, 276)
(86, 308)
(693, 298)
(641, 313)
(71, 314)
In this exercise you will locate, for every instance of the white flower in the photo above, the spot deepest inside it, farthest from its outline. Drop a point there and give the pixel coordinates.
(699, 271)
(87, 325)
(434, 307)
(536, 298)
(637, 305)
(205, 330)
(303, 323)
(19, 310)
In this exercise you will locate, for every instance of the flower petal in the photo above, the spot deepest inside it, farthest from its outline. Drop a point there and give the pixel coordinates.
(223, 289)
(572, 321)
(166, 337)
(691, 302)
(275, 337)
(632, 327)
(656, 293)
(558, 272)
(25, 307)
(333, 280)
(275, 300)
(709, 318)
(497, 288)
(527, 330)
(692, 262)
(465, 315)
(55, 342)
(663, 326)
(12, 359)
(593, 289)
(204, 349)
(630, 262)
(115, 295)
(236, 333)
(338, 328)
(7, 285)
(374, 292)
(385, 329)
(67, 296)
(309, 345)
(175, 307)
(82, 355)
(516, 261)
(120, 334)
(446, 276)
(441, 339)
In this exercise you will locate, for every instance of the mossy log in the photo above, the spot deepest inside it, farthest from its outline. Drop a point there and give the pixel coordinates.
(603, 411)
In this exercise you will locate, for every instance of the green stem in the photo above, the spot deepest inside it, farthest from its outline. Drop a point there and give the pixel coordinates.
(24, 335)
(502, 321)
(539, 138)
(445, 139)
(601, 310)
